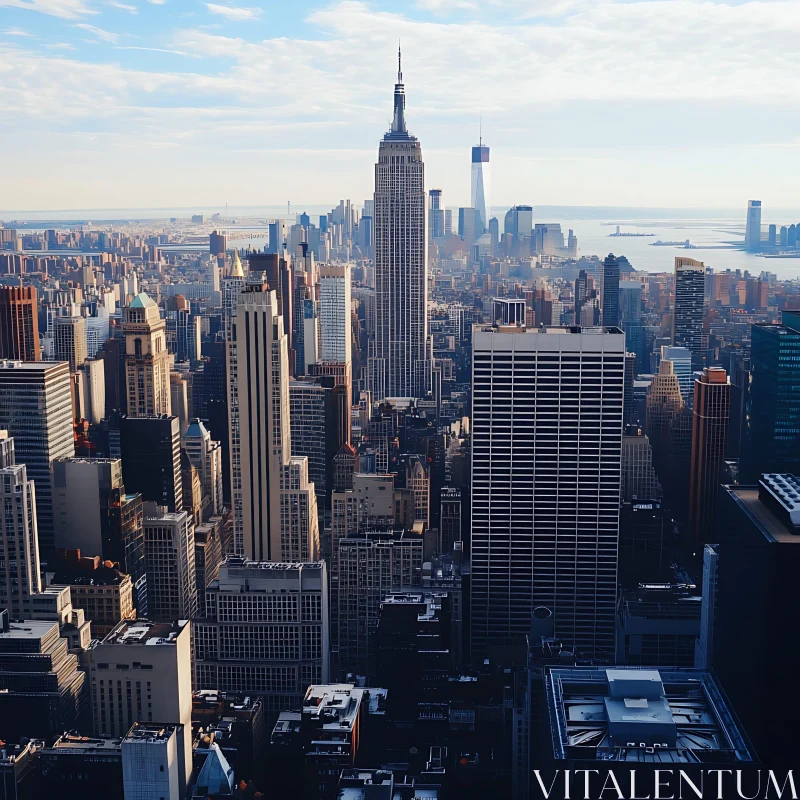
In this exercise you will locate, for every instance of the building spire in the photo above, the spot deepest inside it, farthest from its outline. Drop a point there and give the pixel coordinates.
(399, 120)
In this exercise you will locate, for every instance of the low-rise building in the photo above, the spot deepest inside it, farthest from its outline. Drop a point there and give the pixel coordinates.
(139, 673)
(264, 631)
(42, 690)
(98, 588)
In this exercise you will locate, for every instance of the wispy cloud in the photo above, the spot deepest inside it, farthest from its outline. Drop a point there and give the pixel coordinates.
(106, 36)
(66, 9)
(61, 46)
(616, 77)
(151, 49)
(234, 13)
(16, 32)
(122, 6)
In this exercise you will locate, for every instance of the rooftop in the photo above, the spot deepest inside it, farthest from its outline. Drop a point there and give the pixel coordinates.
(595, 330)
(766, 516)
(143, 300)
(144, 632)
(27, 629)
(642, 715)
(149, 732)
(77, 744)
(336, 705)
(33, 366)
(782, 492)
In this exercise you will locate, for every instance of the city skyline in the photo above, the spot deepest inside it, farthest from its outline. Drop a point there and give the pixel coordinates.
(419, 493)
(267, 84)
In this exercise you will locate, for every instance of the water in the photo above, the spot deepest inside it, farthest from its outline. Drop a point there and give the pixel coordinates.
(710, 229)
(708, 235)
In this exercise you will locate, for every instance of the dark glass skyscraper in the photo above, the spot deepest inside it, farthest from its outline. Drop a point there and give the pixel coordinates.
(546, 461)
(687, 324)
(610, 291)
(772, 417)
(712, 399)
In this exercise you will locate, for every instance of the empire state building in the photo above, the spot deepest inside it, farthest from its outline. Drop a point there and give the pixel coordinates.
(399, 365)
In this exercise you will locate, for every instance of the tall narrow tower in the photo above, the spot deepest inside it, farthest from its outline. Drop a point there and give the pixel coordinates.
(480, 184)
(146, 359)
(399, 366)
(687, 327)
(752, 234)
(712, 400)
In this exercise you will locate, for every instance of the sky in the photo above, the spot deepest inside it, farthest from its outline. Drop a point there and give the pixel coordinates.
(167, 103)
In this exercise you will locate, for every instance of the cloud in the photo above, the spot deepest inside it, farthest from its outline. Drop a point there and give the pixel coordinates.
(611, 76)
(106, 36)
(151, 49)
(61, 46)
(66, 9)
(122, 6)
(234, 13)
(16, 32)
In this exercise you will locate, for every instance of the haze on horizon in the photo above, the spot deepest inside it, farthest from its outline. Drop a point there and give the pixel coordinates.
(168, 103)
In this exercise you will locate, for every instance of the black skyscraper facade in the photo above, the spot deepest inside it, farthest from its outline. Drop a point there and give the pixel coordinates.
(687, 330)
(772, 419)
(757, 616)
(151, 459)
(610, 291)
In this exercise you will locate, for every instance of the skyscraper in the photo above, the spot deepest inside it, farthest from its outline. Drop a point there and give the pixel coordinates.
(151, 459)
(752, 233)
(19, 323)
(681, 359)
(206, 456)
(435, 215)
(399, 365)
(36, 409)
(94, 514)
(335, 313)
(687, 326)
(169, 560)
(771, 428)
(279, 509)
(239, 648)
(153, 660)
(146, 359)
(69, 334)
(712, 398)
(759, 560)
(20, 575)
(546, 460)
(232, 287)
(663, 402)
(480, 186)
(610, 291)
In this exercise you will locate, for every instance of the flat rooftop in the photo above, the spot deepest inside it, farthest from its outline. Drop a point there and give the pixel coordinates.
(75, 744)
(31, 366)
(336, 705)
(552, 330)
(672, 716)
(142, 631)
(28, 629)
(759, 512)
(150, 732)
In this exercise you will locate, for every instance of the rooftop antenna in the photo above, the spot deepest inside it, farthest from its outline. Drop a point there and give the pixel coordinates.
(399, 67)
(480, 131)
